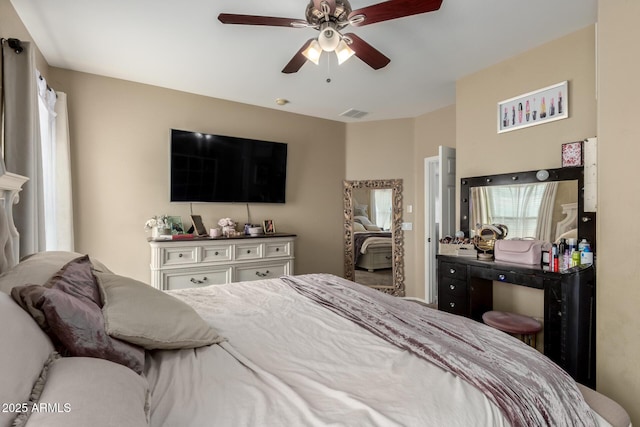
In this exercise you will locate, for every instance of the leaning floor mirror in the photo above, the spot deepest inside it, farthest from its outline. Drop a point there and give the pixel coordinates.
(373, 238)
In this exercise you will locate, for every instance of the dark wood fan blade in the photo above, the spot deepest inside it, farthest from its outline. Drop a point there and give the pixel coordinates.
(229, 18)
(394, 9)
(298, 60)
(367, 53)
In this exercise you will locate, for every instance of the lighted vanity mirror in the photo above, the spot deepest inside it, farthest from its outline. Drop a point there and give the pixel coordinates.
(373, 239)
(547, 209)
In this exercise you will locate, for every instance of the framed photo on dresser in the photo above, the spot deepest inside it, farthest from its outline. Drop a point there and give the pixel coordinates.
(198, 225)
(268, 226)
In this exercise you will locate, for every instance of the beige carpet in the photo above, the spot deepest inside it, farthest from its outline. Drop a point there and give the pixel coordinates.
(382, 277)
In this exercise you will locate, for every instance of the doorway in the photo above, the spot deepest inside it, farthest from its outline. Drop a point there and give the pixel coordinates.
(440, 211)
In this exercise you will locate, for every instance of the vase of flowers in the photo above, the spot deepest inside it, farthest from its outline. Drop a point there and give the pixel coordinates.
(159, 226)
(228, 226)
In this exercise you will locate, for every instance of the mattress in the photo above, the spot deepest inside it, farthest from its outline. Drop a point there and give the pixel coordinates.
(289, 361)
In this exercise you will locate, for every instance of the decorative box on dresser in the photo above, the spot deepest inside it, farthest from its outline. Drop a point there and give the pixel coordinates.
(177, 264)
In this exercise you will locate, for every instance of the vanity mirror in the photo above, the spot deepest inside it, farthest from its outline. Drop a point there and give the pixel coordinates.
(545, 204)
(373, 238)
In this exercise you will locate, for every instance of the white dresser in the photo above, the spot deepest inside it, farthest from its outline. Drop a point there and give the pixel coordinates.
(177, 264)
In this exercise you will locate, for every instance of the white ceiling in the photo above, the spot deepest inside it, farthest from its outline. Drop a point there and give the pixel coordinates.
(182, 46)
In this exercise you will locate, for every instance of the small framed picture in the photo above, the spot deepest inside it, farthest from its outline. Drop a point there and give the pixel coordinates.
(572, 154)
(175, 224)
(268, 226)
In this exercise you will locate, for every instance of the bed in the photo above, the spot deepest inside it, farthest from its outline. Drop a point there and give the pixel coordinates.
(91, 347)
(373, 250)
(373, 247)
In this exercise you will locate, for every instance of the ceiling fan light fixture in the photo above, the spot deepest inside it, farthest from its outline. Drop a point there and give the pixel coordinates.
(329, 38)
(344, 52)
(313, 51)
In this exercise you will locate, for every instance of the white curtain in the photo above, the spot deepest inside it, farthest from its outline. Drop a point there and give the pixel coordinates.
(56, 168)
(381, 207)
(545, 214)
(47, 117)
(481, 208)
(526, 209)
(22, 143)
(64, 195)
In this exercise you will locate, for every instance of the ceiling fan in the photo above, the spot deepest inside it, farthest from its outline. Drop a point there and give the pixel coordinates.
(329, 17)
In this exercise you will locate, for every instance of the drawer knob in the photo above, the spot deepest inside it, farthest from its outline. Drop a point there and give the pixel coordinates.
(198, 282)
(248, 251)
(501, 277)
(265, 274)
(452, 271)
(452, 287)
(215, 253)
(452, 304)
(179, 255)
(277, 249)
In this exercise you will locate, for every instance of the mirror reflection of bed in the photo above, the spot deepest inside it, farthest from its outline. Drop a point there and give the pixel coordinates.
(373, 235)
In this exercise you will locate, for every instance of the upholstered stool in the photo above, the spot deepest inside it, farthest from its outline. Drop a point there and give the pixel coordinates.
(524, 326)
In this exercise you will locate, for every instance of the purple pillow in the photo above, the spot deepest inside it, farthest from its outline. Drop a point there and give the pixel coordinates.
(69, 309)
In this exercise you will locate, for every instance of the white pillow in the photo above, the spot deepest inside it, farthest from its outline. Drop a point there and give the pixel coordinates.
(86, 391)
(362, 220)
(358, 227)
(140, 314)
(372, 227)
(361, 210)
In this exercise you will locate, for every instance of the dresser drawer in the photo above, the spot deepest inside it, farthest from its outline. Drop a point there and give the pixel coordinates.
(259, 272)
(216, 253)
(277, 249)
(451, 286)
(451, 303)
(248, 251)
(508, 277)
(454, 271)
(178, 255)
(195, 278)
(202, 262)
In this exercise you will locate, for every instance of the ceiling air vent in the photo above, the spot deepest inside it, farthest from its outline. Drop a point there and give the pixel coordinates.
(355, 114)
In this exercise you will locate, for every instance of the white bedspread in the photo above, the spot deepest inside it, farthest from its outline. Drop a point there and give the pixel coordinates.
(375, 242)
(291, 362)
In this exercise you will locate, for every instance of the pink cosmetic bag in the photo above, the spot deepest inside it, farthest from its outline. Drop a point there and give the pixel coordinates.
(520, 251)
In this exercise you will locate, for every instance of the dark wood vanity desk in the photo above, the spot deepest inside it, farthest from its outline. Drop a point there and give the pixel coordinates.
(465, 287)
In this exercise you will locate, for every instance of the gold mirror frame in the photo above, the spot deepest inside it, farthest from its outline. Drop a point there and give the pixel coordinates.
(397, 289)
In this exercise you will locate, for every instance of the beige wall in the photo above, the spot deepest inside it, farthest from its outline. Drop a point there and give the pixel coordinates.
(120, 154)
(482, 151)
(431, 130)
(618, 293)
(382, 150)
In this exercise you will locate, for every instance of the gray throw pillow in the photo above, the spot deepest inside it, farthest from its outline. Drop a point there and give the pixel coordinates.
(69, 309)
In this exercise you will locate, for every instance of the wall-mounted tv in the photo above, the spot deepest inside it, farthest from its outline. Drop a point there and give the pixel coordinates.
(217, 168)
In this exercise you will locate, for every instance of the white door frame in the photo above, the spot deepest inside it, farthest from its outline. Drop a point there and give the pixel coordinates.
(439, 208)
(431, 200)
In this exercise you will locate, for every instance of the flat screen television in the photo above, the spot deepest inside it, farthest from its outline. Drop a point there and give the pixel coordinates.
(217, 168)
